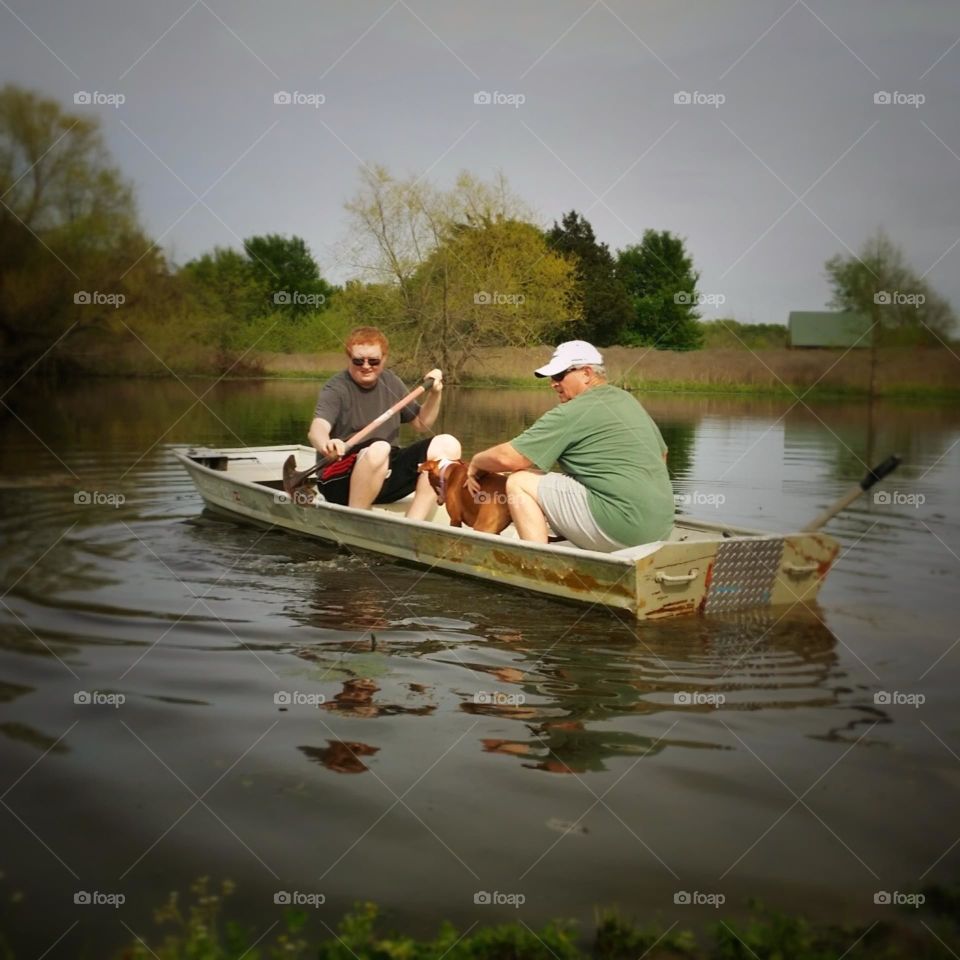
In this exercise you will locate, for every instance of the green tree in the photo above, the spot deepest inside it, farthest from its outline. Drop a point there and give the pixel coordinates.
(658, 274)
(68, 232)
(228, 298)
(607, 310)
(287, 271)
(269, 297)
(880, 284)
(457, 268)
(490, 283)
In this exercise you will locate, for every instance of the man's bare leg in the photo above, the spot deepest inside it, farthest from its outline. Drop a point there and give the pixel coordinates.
(524, 505)
(368, 474)
(443, 445)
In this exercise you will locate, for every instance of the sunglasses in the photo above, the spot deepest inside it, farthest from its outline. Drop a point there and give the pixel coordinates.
(360, 361)
(557, 377)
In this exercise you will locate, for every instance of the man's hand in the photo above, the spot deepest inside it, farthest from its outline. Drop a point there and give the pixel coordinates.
(472, 480)
(437, 375)
(334, 449)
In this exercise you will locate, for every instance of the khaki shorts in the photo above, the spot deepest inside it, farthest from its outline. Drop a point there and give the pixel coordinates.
(565, 505)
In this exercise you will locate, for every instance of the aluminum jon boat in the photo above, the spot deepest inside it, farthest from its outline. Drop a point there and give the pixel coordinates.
(702, 568)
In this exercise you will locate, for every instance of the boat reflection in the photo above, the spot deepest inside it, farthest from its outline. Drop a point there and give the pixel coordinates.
(583, 703)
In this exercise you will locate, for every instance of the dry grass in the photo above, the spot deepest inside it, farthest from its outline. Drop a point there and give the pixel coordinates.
(916, 370)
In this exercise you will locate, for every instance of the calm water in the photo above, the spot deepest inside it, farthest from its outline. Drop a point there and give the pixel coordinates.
(584, 784)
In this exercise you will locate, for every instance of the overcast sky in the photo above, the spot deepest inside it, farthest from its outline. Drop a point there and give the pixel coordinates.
(795, 164)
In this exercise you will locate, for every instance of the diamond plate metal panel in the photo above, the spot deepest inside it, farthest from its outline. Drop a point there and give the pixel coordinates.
(743, 575)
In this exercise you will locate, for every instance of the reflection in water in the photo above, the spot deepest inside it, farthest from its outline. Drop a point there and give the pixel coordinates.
(356, 700)
(10, 691)
(574, 695)
(27, 734)
(341, 756)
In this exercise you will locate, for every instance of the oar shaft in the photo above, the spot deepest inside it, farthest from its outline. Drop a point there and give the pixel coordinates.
(297, 478)
(877, 473)
(835, 508)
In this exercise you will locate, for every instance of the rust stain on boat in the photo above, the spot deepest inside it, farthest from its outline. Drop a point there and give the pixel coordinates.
(707, 579)
(571, 579)
(823, 566)
(676, 609)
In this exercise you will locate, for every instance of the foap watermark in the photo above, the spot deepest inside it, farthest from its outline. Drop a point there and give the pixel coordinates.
(896, 698)
(697, 698)
(689, 298)
(496, 497)
(83, 98)
(697, 498)
(98, 498)
(896, 98)
(498, 699)
(297, 698)
(297, 898)
(284, 98)
(484, 98)
(895, 898)
(97, 698)
(897, 298)
(96, 298)
(498, 899)
(696, 898)
(898, 498)
(483, 298)
(96, 898)
(294, 298)
(698, 98)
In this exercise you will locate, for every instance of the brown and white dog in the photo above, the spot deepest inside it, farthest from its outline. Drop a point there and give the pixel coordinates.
(489, 513)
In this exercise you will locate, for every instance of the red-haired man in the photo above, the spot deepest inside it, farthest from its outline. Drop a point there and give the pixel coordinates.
(378, 471)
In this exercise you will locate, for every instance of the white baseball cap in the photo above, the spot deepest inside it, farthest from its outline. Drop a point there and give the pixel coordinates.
(573, 353)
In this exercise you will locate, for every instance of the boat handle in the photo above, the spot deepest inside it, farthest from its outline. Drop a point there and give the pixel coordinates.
(662, 577)
(798, 570)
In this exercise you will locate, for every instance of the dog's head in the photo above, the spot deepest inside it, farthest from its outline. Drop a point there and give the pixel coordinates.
(432, 469)
(437, 471)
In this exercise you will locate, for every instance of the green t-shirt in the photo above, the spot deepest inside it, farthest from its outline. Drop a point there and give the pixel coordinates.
(606, 440)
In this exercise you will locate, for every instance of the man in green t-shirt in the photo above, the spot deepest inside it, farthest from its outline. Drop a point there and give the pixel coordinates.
(614, 491)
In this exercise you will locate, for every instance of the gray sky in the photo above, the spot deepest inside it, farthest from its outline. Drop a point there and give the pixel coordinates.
(797, 163)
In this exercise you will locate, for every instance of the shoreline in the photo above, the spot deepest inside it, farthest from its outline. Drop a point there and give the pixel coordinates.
(929, 375)
(905, 392)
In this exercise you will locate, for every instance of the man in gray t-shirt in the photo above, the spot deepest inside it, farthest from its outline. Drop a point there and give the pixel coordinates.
(377, 471)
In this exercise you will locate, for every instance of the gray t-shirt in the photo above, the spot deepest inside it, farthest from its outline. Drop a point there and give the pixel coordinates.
(349, 408)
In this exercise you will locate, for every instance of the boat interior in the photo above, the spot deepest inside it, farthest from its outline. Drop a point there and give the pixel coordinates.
(263, 466)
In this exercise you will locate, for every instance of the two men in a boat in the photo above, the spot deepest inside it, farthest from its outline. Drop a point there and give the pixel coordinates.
(614, 491)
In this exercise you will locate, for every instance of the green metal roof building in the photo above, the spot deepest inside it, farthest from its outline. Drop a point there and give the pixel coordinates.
(812, 328)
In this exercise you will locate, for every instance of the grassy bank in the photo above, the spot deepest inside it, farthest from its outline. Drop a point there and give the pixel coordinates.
(906, 373)
(198, 930)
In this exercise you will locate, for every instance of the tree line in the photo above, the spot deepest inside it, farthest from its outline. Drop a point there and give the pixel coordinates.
(447, 272)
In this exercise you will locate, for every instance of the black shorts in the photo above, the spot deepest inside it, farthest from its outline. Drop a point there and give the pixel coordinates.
(399, 484)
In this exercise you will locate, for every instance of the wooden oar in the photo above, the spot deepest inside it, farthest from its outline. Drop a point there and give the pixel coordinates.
(877, 473)
(293, 478)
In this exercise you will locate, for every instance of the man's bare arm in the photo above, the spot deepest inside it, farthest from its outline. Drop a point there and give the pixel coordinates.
(427, 416)
(502, 458)
(319, 437)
